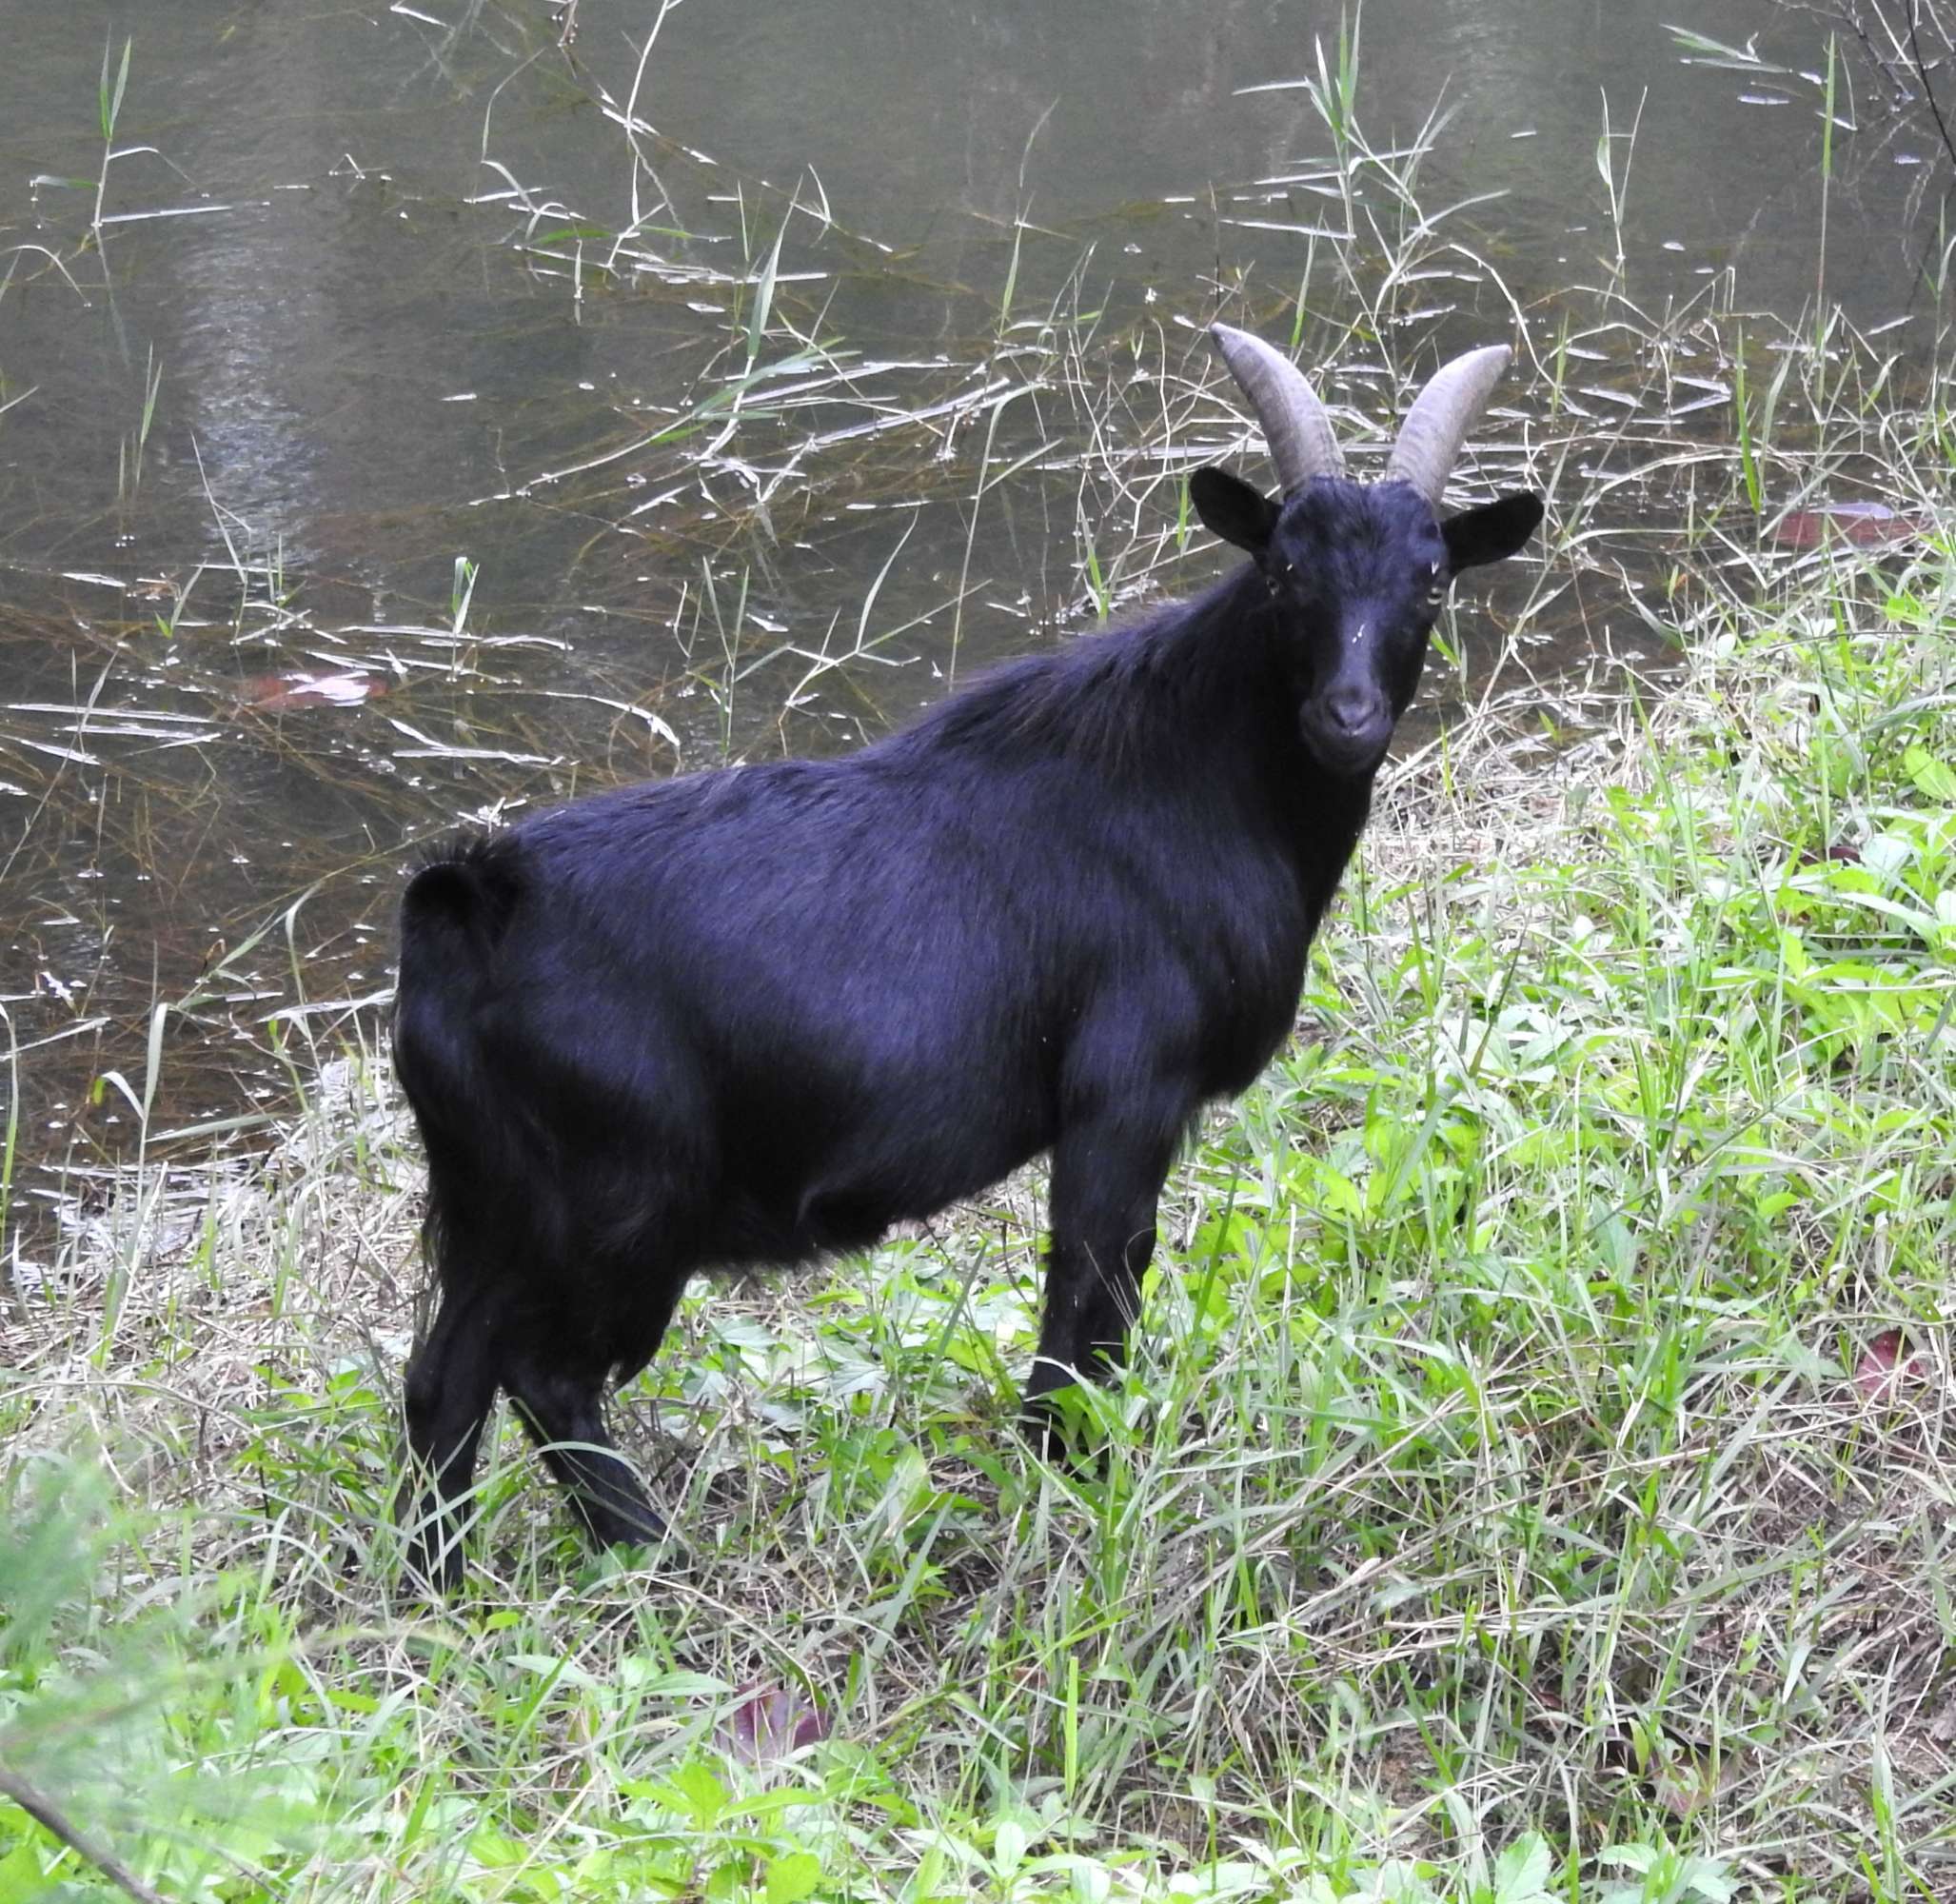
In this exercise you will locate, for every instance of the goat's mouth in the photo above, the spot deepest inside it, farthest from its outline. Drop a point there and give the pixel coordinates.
(1344, 749)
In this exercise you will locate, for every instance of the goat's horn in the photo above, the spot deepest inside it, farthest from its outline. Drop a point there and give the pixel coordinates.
(1430, 439)
(1294, 424)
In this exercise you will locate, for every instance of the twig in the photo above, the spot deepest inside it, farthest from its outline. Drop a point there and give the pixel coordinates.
(1928, 91)
(1849, 17)
(42, 1812)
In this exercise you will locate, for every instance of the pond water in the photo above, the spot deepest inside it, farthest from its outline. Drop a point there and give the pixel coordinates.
(432, 409)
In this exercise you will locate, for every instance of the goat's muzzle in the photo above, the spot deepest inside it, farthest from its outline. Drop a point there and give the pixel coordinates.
(1348, 727)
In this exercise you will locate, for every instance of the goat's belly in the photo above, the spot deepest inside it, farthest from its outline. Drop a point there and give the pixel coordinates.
(1238, 1061)
(836, 1176)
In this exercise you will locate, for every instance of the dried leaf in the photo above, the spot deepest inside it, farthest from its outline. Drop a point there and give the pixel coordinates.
(278, 693)
(1864, 524)
(1889, 1365)
(768, 1723)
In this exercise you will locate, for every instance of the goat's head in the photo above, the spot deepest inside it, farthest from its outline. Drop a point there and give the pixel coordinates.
(1358, 571)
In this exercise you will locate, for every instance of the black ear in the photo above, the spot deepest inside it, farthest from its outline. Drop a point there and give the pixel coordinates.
(1229, 507)
(1493, 532)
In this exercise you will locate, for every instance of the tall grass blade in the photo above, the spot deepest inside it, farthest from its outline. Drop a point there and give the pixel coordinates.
(764, 292)
(109, 96)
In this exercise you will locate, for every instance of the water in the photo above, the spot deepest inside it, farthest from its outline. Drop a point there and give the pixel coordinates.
(357, 312)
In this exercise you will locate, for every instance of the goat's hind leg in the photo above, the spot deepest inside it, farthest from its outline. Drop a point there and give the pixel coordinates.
(559, 1393)
(451, 1387)
(563, 1411)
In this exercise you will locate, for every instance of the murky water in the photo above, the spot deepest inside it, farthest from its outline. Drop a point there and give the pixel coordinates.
(767, 378)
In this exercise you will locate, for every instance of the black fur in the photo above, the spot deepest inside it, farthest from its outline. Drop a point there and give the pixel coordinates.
(757, 1014)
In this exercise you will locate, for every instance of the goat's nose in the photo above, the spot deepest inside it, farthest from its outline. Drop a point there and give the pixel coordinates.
(1350, 706)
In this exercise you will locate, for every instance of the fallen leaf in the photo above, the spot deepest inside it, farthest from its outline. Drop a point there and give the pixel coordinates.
(769, 1722)
(1865, 524)
(1886, 1364)
(277, 693)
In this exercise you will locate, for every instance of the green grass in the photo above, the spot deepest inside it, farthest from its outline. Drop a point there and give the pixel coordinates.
(1492, 1511)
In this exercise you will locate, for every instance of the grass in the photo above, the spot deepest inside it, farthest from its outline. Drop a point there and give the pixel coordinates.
(1508, 1499)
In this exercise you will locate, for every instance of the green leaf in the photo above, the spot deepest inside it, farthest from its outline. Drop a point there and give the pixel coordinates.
(107, 100)
(557, 235)
(1746, 58)
(1932, 778)
(1009, 1844)
(1521, 1875)
(1924, 924)
(792, 1878)
(696, 1792)
(1709, 1880)
(21, 1876)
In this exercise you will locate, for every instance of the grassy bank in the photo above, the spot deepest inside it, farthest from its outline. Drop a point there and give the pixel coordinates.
(1536, 1480)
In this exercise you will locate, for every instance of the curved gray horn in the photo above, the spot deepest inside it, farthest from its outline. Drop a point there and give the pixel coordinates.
(1293, 423)
(1429, 441)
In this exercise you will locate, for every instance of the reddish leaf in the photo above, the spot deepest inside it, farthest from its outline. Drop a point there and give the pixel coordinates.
(1887, 1365)
(769, 1722)
(1864, 523)
(277, 693)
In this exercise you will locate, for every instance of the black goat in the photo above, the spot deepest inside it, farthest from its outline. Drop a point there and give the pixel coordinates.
(759, 1014)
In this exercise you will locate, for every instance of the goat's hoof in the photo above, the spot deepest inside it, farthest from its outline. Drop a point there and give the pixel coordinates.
(639, 1531)
(431, 1545)
(433, 1574)
(1043, 1427)
(667, 1554)
(659, 1549)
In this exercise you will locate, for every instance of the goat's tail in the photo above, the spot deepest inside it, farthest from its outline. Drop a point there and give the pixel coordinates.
(447, 940)
(451, 919)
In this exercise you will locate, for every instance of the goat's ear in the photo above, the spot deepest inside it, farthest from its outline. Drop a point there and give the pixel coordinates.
(1493, 532)
(1231, 508)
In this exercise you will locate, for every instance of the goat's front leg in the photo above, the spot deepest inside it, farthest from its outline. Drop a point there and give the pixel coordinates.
(1107, 1176)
